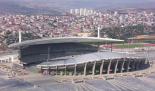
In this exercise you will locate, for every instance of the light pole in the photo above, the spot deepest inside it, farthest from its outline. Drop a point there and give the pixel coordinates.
(98, 32)
(20, 36)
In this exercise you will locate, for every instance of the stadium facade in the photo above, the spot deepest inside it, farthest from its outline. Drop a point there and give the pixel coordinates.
(76, 56)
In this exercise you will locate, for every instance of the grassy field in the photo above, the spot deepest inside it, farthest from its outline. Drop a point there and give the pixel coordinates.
(128, 45)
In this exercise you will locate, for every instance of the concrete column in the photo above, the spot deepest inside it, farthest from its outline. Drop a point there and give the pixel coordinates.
(93, 70)
(133, 65)
(109, 67)
(65, 70)
(101, 67)
(116, 67)
(41, 69)
(48, 70)
(147, 61)
(75, 69)
(111, 47)
(143, 61)
(122, 65)
(128, 66)
(85, 69)
(56, 70)
(140, 63)
(12, 59)
(48, 53)
(137, 64)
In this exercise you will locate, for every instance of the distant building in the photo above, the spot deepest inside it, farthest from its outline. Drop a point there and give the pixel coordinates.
(83, 12)
(84, 34)
(9, 57)
(142, 38)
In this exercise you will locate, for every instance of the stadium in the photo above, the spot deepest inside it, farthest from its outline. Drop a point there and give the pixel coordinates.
(76, 56)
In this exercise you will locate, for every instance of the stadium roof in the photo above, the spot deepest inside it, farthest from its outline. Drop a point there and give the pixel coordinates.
(64, 40)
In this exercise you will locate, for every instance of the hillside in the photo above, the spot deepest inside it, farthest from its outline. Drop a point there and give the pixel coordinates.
(14, 8)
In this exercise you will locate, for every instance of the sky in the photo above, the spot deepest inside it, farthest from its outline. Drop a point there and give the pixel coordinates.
(66, 4)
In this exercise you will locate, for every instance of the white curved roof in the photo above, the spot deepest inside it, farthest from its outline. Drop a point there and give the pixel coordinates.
(64, 40)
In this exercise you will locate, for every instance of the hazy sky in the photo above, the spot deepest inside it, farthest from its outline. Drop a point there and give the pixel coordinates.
(84, 3)
(103, 1)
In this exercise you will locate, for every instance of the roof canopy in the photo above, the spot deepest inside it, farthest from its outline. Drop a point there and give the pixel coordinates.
(64, 40)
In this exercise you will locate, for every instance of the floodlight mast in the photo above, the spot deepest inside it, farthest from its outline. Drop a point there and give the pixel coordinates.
(98, 32)
(20, 36)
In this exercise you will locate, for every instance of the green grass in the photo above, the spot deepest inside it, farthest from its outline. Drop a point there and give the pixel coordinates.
(128, 45)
